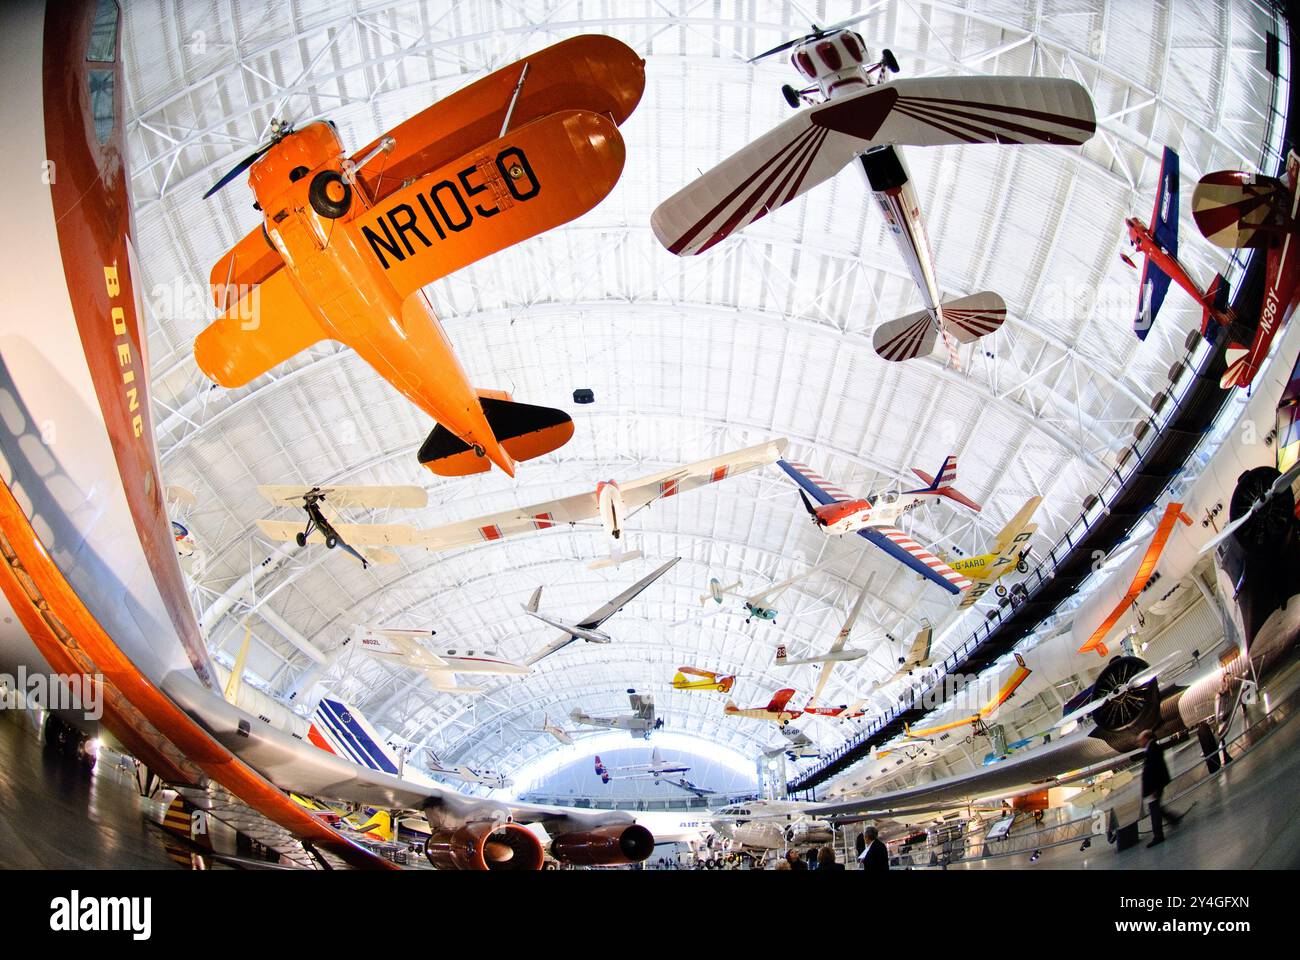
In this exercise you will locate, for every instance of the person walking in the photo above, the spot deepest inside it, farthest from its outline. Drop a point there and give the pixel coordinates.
(1155, 777)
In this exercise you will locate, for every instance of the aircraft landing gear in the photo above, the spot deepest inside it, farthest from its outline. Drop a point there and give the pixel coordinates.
(301, 539)
(331, 542)
(791, 95)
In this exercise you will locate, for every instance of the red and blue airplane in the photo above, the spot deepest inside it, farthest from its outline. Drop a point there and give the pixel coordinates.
(1159, 243)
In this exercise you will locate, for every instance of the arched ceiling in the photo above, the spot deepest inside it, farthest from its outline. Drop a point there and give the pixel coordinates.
(766, 336)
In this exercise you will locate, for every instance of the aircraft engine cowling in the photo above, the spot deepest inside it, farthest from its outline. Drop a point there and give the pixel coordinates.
(607, 846)
(485, 845)
(1135, 710)
(808, 831)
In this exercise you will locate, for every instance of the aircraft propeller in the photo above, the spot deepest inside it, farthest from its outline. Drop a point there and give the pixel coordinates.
(279, 130)
(817, 34)
(1281, 485)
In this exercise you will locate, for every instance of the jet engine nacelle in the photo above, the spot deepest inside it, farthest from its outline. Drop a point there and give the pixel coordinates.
(607, 846)
(808, 831)
(485, 845)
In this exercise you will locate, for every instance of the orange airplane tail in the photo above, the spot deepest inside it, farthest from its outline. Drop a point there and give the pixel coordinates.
(524, 431)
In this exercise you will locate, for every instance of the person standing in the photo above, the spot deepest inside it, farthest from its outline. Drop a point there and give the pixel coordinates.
(1155, 777)
(826, 859)
(792, 858)
(874, 856)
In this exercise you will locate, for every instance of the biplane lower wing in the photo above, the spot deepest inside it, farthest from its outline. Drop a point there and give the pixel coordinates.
(356, 534)
(813, 145)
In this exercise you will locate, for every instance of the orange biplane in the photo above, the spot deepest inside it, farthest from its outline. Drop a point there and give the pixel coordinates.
(347, 243)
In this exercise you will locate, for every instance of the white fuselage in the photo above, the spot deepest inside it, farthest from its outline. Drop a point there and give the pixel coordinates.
(582, 633)
(839, 656)
(610, 507)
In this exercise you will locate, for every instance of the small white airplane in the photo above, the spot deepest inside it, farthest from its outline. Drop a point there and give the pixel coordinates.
(838, 653)
(486, 778)
(554, 729)
(919, 653)
(406, 648)
(586, 629)
(655, 770)
(857, 114)
(873, 517)
(608, 502)
(641, 722)
(320, 504)
(717, 591)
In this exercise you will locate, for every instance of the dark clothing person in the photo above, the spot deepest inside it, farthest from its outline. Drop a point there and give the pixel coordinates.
(875, 856)
(1155, 777)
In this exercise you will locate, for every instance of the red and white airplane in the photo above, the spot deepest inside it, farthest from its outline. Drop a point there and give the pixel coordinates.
(779, 711)
(655, 770)
(873, 518)
(857, 115)
(1239, 210)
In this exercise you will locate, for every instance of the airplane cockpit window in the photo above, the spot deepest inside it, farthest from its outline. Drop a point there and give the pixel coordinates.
(103, 35)
(101, 102)
(890, 496)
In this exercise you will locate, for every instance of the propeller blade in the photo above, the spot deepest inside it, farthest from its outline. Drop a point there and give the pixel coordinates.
(239, 168)
(812, 511)
(780, 47)
(1284, 482)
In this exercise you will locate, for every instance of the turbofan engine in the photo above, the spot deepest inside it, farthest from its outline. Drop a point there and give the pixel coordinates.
(808, 831)
(485, 845)
(607, 846)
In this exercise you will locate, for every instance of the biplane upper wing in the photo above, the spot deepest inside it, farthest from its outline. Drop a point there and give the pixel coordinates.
(356, 534)
(1018, 528)
(372, 497)
(643, 705)
(906, 550)
(812, 146)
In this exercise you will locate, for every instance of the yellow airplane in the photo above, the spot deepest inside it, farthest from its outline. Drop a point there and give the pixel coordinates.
(708, 680)
(976, 720)
(1009, 551)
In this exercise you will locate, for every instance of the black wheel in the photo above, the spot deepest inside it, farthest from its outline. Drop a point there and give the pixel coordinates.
(1000, 590)
(791, 95)
(889, 60)
(301, 539)
(1136, 709)
(1022, 567)
(329, 194)
(331, 542)
(479, 451)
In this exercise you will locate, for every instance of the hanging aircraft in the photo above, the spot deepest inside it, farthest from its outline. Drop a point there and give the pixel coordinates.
(1240, 210)
(857, 114)
(836, 654)
(977, 719)
(776, 710)
(586, 629)
(918, 655)
(770, 824)
(872, 518)
(611, 503)
(759, 605)
(345, 247)
(1158, 242)
(640, 722)
(1010, 552)
(555, 730)
(708, 680)
(321, 528)
(717, 591)
(655, 770)
(797, 746)
(406, 647)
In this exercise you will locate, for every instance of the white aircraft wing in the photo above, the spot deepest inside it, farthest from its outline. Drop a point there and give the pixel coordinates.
(829, 666)
(373, 497)
(596, 618)
(670, 483)
(776, 588)
(812, 146)
(353, 534)
(510, 523)
(1063, 761)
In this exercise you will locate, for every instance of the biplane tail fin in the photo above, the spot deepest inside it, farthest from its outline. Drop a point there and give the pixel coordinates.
(523, 430)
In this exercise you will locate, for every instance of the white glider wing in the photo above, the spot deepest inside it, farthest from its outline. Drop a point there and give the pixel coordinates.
(372, 497)
(812, 146)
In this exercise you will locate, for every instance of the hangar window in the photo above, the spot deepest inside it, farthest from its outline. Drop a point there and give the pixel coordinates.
(101, 102)
(103, 34)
